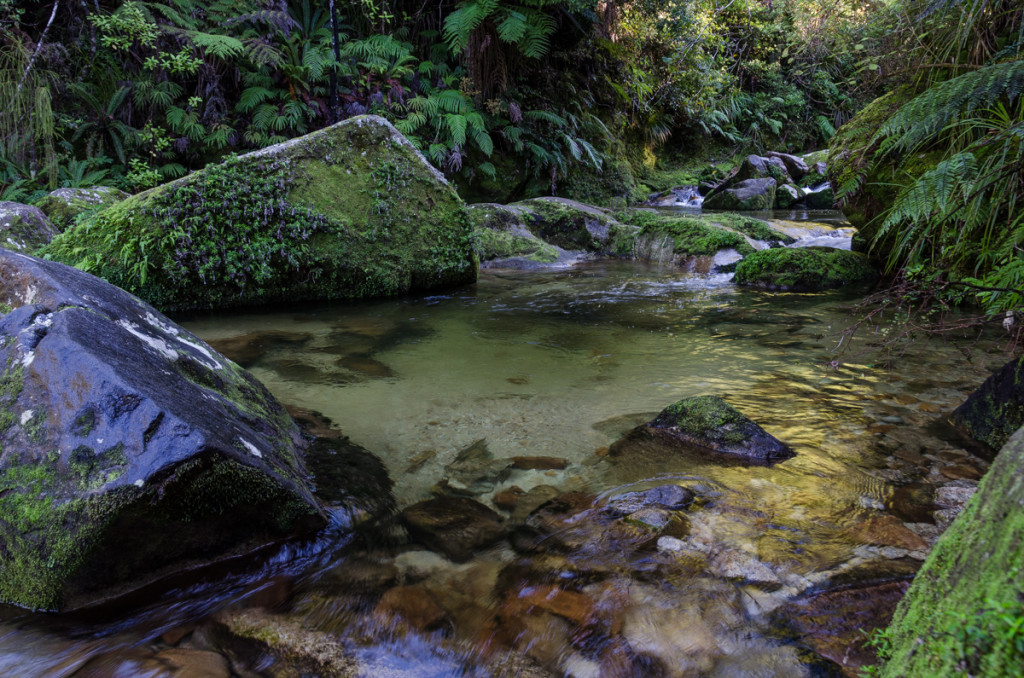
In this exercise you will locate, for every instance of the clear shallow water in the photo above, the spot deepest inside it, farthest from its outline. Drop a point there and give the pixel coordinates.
(561, 365)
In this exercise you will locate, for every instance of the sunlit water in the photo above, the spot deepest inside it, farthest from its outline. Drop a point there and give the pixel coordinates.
(561, 364)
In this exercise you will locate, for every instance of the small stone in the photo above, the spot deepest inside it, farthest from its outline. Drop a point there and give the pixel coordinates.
(196, 663)
(670, 544)
(602, 451)
(413, 605)
(417, 565)
(953, 497)
(672, 497)
(887, 530)
(506, 500)
(655, 519)
(945, 517)
(539, 463)
(733, 564)
(956, 471)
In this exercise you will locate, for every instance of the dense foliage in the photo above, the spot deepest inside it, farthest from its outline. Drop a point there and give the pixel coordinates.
(530, 95)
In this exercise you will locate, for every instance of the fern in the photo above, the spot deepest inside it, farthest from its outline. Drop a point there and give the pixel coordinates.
(220, 46)
(923, 117)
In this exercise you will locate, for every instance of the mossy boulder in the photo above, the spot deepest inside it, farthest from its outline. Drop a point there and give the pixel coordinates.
(64, 205)
(348, 212)
(573, 225)
(788, 195)
(992, 413)
(710, 423)
(677, 239)
(963, 614)
(804, 269)
(823, 199)
(24, 228)
(749, 194)
(128, 447)
(864, 183)
(501, 238)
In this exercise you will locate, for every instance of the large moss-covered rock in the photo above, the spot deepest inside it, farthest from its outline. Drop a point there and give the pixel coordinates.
(864, 183)
(573, 225)
(128, 447)
(708, 423)
(750, 194)
(347, 212)
(501, 237)
(64, 205)
(991, 414)
(24, 228)
(963, 615)
(804, 269)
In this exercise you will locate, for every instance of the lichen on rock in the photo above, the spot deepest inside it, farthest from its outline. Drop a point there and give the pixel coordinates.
(24, 228)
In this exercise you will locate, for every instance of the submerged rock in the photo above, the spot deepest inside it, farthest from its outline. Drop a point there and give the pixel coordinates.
(710, 423)
(992, 413)
(454, 526)
(348, 212)
(130, 447)
(64, 205)
(804, 269)
(24, 228)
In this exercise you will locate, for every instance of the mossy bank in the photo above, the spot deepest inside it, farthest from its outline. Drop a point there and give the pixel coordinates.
(349, 212)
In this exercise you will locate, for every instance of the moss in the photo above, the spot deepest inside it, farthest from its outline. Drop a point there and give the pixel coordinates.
(569, 225)
(12, 381)
(963, 615)
(303, 220)
(755, 228)
(5, 308)
(691, 235)
(67, 205)
(804, 269)
(705, 417)
(492, 244)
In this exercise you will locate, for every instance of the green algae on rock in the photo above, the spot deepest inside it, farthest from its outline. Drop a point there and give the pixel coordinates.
(710, 423)
(128, 447)
(963, 615)
(995, 410)
(804, 269)
(64, 205)
(348, 212)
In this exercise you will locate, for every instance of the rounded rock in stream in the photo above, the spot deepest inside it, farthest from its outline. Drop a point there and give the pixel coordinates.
(454, 526)
(709, 423)
(131, 449)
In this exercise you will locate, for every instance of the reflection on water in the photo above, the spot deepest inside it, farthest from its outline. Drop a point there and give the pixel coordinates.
(559, 366)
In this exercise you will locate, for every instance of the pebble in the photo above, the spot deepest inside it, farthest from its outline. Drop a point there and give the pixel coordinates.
(671, 544)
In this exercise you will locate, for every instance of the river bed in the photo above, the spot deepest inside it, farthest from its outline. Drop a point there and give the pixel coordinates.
(560, 365)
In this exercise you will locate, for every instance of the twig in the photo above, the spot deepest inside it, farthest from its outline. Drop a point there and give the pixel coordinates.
(35, 52)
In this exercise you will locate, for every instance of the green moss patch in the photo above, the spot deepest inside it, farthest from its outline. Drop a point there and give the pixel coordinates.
(964, 614)
(690, 235)
(351, 211)
(804, 269)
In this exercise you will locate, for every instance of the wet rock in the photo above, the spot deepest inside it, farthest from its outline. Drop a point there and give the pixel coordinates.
(995, 410)
(740, 566)
(788, 195)
(24, 228)
(414, 566)
(365, 574)
(297, 650)
(913, 503)
(672, 497)
(837, 623)
(950, 496)
(651, 518)
(365, 366)
(804, 269)
(247, 349)
(475, 471)
(195, 663)
(64, 205)
(129, 438)
(413, 606)
(885, 530)
(710, 423)
(750, 194)
(454, 526)
(823, 199)
(507, 499)
(531, 500)
(539, 463)
(795, 166)
(960, 471)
